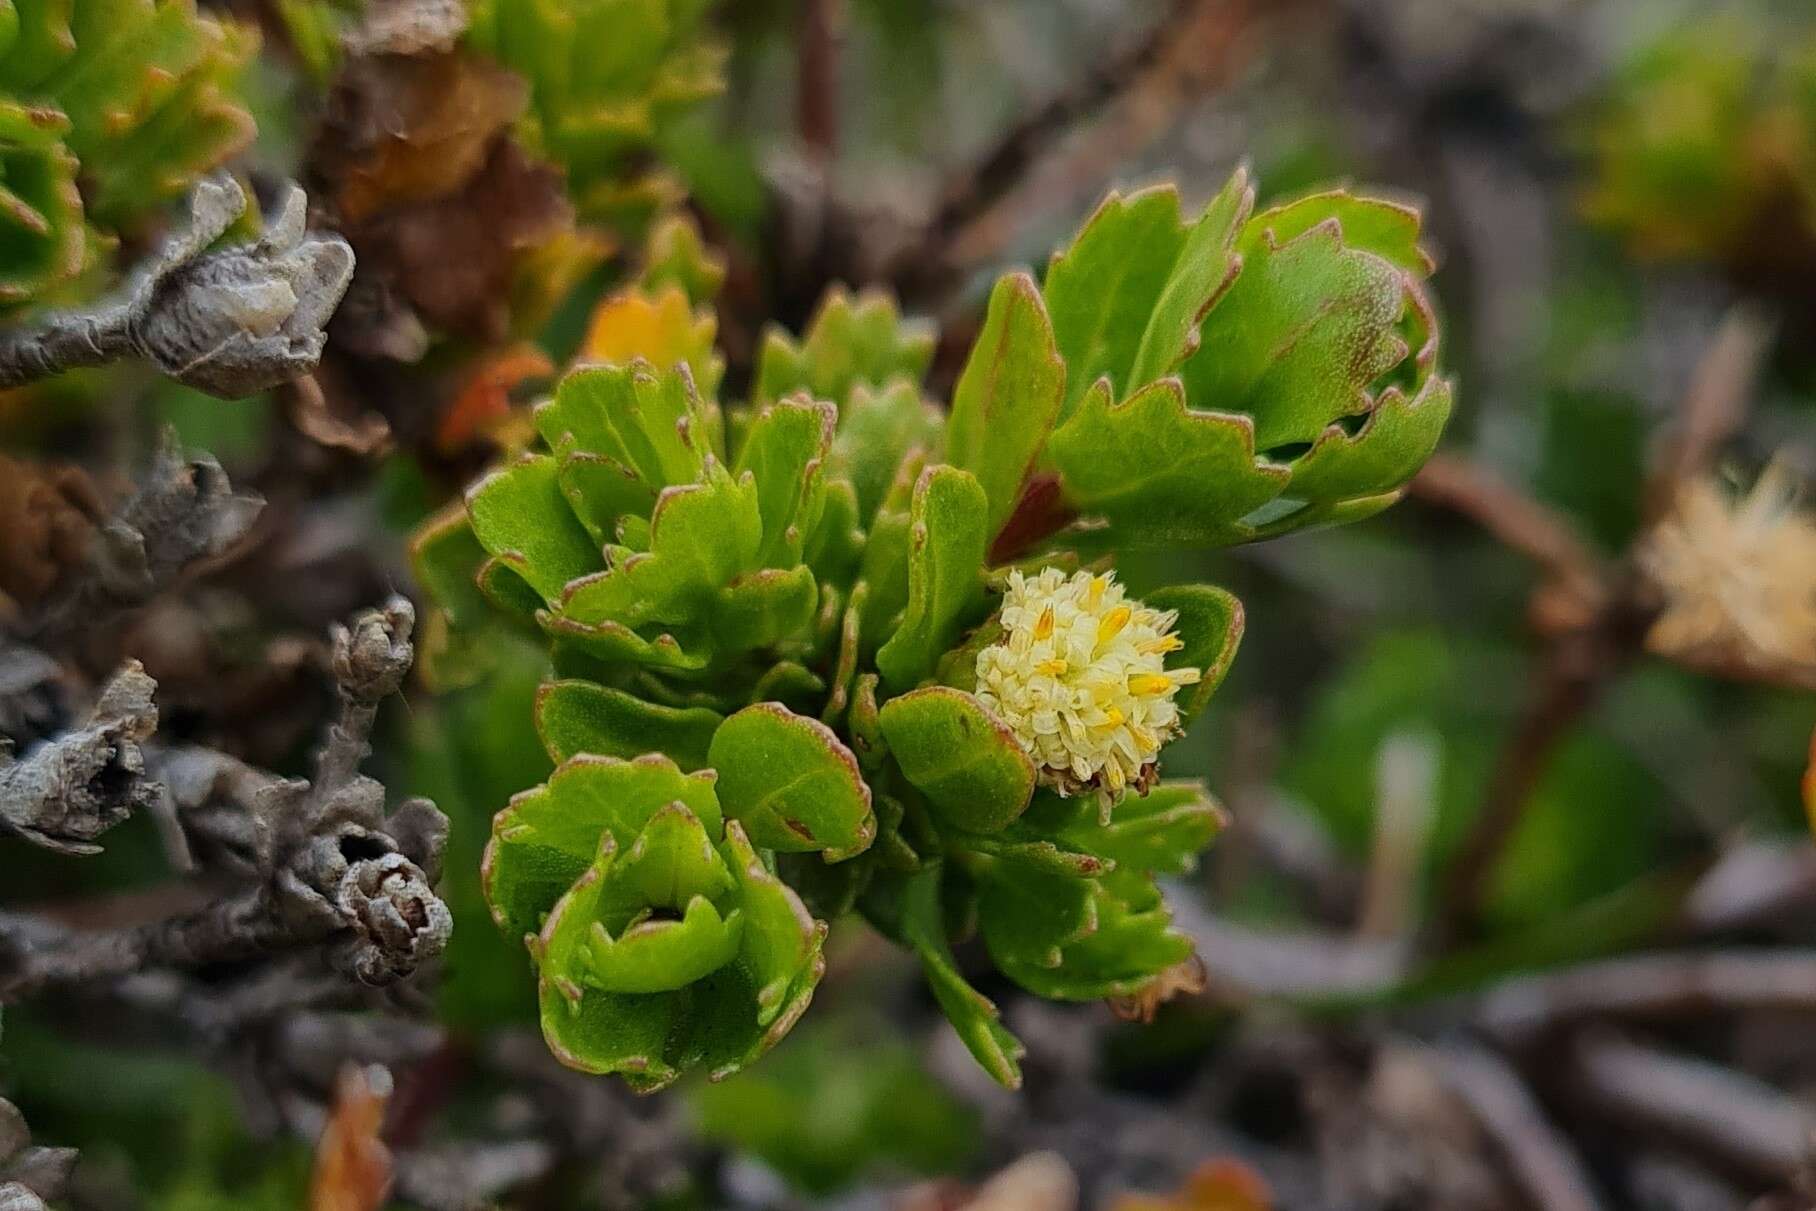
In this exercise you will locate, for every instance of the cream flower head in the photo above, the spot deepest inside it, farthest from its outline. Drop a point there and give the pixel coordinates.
(1080, 678)
(1738, 575)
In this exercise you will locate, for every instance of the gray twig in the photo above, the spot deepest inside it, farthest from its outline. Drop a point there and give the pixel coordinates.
(185, 510)
(70, 790)
(232, 322)
(330, 866)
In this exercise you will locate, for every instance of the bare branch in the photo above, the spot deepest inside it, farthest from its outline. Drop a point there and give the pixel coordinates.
(231, 323)
(1740, 1121)
(1652, 986)
(185, 511)
(1539, 1157)
(327, 868)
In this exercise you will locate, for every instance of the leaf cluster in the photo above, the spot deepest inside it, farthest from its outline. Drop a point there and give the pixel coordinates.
(764, 620)
(108, 110)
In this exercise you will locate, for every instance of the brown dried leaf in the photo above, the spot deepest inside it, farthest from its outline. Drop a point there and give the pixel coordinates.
(1216, 1185)
(352, 1165)
(404, 129)
(48, 516)
(454, 258)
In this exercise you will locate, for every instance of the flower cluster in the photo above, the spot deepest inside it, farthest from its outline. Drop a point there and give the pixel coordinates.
(1080, 678)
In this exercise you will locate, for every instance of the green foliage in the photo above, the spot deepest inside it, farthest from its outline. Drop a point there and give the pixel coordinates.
(1705, 143)
(1244, 375)
(606, 78)
(108, 110)
(766, 624)
(837, 1100)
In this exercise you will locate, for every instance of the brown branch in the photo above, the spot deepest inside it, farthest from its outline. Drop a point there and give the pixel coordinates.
(822, 32)
(1712, 410)
(1138, 93)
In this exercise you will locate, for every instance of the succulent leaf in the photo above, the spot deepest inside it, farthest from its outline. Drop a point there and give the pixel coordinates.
(792, 783)
(849, 342)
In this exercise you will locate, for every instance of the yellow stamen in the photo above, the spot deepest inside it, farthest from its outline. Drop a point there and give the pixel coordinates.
(1112, 718)
(1112, 623)
(1055, 667)
(1043, 626)
(1163, 645)
(1094, 594)
(1150, 683)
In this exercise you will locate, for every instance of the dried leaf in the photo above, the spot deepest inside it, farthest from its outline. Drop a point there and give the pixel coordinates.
(486, 397)
(1217, 1185)
(352, 1164)
(48, 516)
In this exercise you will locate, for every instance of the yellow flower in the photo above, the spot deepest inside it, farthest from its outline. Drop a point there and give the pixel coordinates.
(1080, 678)
(1738, 578)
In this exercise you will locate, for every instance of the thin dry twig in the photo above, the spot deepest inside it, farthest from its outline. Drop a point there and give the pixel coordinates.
(1741, 1122)
(1536, 1153)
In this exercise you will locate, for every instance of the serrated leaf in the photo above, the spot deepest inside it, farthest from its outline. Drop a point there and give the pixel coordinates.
(1210, 623)
(1101, 290)
(650, 421)
(781, 939)
(785, 449)
(848, 342)
(519, 512)
(1160, 472)
(949, 530)
(1131, 941)
(575, 716)
(1007, 397)
(792, 783)
(656, 325)
(877, 428)
(675, 254)
(548, 835)
(1308, 325)
(964, 759)
(1208, 265)
(1161, 832)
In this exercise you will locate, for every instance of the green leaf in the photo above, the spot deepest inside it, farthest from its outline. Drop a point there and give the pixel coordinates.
(647, 420)
(785, 450)
(1130, 942)
(675, 254)
(908, 910)
(595, 1031)
(1209, 624)
(1007, 397)
(964, 759)
(848, 342)
(792, 783)
(1161, 832)
(877, 429)
(781, 943)
(1208, 265)
(1309, 325)
(1162, 473)
(576, 716)
(949, 531)
(1101, 290)
(520, 513)
(547, 836)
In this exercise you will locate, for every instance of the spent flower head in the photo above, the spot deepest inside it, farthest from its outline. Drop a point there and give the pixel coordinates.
(1080, 678)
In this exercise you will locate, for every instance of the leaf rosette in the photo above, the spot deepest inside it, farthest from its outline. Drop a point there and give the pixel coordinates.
(885, 641)
(663, 940)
